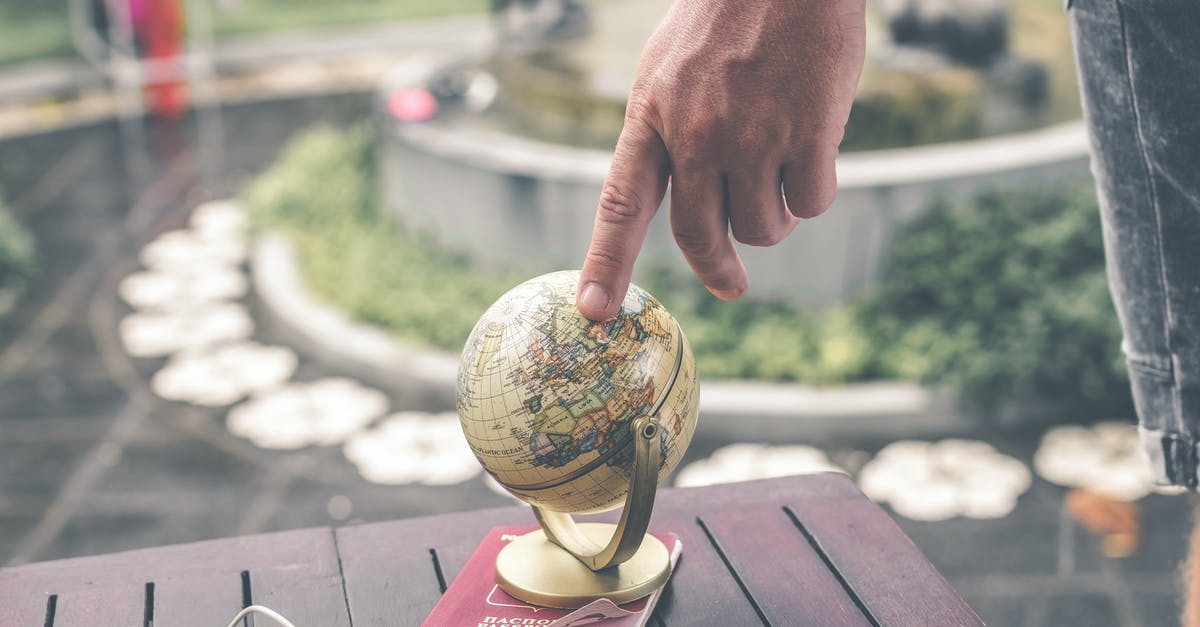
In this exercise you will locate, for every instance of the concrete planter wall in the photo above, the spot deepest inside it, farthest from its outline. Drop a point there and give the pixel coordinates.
(504, 199)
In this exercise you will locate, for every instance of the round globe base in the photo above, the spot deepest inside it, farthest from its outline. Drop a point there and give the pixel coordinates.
(535, 570)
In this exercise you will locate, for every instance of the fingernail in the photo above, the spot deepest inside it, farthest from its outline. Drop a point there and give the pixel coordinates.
(593, 298)
(734, 292)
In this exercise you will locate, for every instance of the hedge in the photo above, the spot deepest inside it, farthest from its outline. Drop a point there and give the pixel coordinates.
(1000, 296)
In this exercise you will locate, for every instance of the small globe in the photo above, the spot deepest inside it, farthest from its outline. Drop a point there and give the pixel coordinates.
(547, 397)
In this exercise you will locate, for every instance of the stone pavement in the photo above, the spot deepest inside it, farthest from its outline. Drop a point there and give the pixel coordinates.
(93, 461)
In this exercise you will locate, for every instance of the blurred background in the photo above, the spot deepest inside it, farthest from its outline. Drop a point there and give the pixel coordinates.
(243, 241)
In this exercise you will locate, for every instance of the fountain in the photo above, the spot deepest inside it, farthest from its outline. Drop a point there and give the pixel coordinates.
(510, 167)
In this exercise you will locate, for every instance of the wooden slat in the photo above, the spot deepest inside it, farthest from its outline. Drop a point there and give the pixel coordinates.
(380, 559)
(879, 563)
(390, 576)
(23, 608)
(183, 561)
(701, 591)
(454, 549)
(294, 572)
(210, 601)
(307, 588)
(780, 569)
(122, 606)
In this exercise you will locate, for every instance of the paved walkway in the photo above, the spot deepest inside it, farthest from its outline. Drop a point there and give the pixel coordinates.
(92, 460)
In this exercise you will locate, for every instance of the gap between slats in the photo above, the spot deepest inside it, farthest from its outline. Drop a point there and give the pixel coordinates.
(716, 545)
(51, 607)
(147, 607)
(148, 599)
(148, 612)
(816, 546)
(437, 570)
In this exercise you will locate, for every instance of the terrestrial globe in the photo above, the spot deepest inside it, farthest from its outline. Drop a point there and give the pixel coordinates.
(547, 397)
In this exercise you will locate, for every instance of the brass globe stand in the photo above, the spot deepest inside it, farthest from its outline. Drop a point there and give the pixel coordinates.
(569, 565)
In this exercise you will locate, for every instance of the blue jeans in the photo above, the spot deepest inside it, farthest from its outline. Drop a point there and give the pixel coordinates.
(1139, 65)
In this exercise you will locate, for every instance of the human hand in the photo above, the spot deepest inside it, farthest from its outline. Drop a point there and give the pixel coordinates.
(732, 100)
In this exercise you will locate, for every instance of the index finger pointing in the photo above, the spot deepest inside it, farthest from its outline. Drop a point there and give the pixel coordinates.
(636, 183)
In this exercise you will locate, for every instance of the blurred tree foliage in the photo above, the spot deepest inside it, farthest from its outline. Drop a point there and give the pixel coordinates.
(1001, 297)
(16, 260)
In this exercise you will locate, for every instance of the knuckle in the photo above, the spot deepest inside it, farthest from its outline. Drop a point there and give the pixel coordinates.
(602, 258)
(695, 244)
(689, 156)
(618, 206)
(641, 109)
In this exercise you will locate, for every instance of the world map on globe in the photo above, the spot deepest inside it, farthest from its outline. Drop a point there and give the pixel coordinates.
(546, 397)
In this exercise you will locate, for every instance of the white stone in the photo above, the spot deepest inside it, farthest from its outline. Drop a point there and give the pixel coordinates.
(221, 220)
(1106, 458)
(414, 447)
(907, 449)
(986, 504)
(942, 480)
(172, 291)
(956, 452)
(195, 381)
(323, 412)
(700, 473)
(928, 501)
(144, 290)
(153, 334)
(745, 462)
(184, 250)
(879, 482)
(224, 374)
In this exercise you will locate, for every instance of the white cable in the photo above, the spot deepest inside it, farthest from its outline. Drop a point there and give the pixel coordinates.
(265, 611)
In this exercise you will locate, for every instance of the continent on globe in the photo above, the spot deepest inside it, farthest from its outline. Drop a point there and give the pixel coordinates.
(546, 397)
(489, 344)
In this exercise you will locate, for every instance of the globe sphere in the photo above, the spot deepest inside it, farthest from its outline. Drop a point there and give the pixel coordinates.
(547, 397)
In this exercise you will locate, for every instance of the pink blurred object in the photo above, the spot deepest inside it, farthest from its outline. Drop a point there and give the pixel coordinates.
(137, 14)
(412, 104)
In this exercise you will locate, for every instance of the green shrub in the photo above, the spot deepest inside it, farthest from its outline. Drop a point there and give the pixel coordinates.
(1002, 297)
(321, 194)
(16, 260)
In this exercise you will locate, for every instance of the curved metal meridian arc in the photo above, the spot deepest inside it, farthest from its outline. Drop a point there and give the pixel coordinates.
(560, 528)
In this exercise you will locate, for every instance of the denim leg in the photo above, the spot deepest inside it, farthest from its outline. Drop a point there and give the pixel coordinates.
(1139, 65)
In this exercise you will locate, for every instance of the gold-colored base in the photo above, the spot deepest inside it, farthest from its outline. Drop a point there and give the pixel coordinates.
(537, 571)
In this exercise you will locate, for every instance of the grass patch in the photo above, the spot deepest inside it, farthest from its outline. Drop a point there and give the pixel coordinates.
(321, 195)
(1001, 296)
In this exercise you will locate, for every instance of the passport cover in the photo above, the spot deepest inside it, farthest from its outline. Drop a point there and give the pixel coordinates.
(474, 600)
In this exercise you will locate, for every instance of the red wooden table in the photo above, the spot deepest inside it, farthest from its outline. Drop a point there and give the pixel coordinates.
(808, 550)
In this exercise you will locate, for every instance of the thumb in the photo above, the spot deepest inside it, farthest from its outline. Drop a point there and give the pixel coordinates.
(632, 192)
